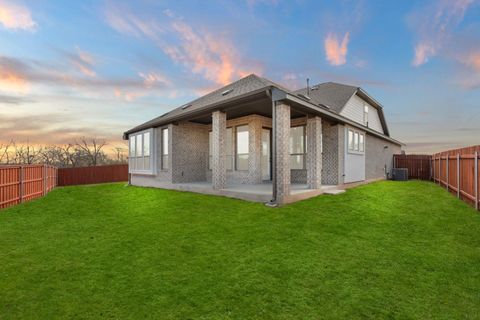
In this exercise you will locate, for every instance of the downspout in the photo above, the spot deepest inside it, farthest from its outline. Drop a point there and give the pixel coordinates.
(274, 152)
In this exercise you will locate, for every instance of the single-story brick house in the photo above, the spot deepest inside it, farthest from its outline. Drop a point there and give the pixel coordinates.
(257, 140)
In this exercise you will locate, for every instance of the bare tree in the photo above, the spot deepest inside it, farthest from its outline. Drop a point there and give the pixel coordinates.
(84, 152)
(25, 154)
(5, 152)
(93, 149)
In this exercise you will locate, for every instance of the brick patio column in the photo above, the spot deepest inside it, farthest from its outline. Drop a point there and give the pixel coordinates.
(219, 131)
(255, 154)
(282, 152)
(314, 152)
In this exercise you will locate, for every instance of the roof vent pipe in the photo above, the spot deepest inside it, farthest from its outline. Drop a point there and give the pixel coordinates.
(308, 87)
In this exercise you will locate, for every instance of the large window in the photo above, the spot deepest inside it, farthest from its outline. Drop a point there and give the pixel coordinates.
(140, 159)
(228, 151)
(297, 147)
(350, 140)
(242, 148)
(356, 141)
(365, 115)
(165, 149)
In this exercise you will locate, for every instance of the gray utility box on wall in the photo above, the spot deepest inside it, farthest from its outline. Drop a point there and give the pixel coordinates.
(400, 174)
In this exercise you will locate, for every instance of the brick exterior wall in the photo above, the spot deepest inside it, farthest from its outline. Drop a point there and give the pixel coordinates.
(377, 157)
(189, 152)
(188, 156)
(282, 165)
(330, 153)
(341, 153)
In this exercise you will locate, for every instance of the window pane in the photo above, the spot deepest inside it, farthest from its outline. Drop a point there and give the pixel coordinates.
(165, 161)
(131, 164)
(296, 140)
(242, 140)
(138, 145)
(139, 163)
(362, 143)
(350, 140)
(132, 146)
(242, 162)
(164, 141)
(296, 161)
(146, 163)
(355, 141)
(146, 144)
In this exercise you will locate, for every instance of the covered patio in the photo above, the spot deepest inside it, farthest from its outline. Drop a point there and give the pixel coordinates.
(261, 192)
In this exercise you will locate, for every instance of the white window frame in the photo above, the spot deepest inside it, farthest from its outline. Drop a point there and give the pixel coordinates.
(304, 153)
(236, 147)
(134, 159)
(354, 146)
(361, 142)
(164, 165)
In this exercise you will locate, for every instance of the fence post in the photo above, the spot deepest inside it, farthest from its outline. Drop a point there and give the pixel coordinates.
(476, 180)
(44, 179)
(21, 184)
(448, 173)
(432, 168)
(440, 171)
(458, 175)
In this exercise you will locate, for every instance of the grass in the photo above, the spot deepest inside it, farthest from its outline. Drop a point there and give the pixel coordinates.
(384, 250)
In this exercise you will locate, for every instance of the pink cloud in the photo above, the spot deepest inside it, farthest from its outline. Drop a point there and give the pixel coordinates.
(153, 78)
(434, 26)
(15, 16)
(473, 60)
(423, 51)
(200, 51)
(84, 62)
(12, 79)
(336, 50)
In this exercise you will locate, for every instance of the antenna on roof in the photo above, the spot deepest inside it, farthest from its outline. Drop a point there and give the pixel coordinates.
(308, 87)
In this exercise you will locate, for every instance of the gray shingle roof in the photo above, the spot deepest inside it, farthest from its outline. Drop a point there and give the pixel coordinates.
(238, 88)
(331, 94)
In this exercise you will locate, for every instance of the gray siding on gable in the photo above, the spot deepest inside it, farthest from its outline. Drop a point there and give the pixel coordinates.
(378, 157)
(354, 111)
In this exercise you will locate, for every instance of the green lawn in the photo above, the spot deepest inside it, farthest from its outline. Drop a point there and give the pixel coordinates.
(384, 250)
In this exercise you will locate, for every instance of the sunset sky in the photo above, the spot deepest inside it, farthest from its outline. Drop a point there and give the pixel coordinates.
(97, 68)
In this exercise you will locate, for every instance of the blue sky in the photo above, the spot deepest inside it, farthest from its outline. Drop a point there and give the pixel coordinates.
(97, 68)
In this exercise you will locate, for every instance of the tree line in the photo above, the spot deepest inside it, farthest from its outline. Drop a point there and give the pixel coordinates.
(80, 153)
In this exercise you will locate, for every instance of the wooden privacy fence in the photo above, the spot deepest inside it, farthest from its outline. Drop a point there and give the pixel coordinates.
(455, 170)
(92, 175)
(458, 172)
(25, 182)
(418, 165)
